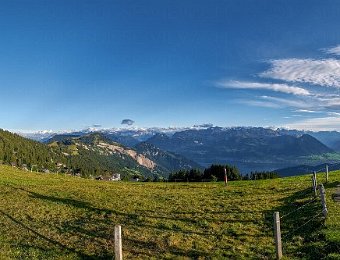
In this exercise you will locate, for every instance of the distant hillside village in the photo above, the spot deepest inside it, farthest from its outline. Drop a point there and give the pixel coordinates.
(114, 177)
(63, 169)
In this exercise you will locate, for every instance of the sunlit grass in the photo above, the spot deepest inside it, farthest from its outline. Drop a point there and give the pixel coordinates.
(49, 216)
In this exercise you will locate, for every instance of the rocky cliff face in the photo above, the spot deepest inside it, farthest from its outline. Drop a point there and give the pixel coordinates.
(139, 158)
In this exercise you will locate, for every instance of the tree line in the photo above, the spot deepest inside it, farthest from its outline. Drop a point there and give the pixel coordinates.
(216, 172)
(258, 175)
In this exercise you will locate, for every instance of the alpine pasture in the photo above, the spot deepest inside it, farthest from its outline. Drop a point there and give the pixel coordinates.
(49, 216)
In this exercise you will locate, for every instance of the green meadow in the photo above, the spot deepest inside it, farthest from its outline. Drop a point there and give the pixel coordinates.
(49, 216)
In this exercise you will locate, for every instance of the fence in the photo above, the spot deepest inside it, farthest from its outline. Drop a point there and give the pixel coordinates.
(277, 219)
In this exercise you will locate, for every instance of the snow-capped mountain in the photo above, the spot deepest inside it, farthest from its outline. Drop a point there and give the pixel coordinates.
(139, 133)
(249, 148)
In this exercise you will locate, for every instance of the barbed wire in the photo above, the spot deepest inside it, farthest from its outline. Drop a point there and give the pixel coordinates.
(320, 170)
(313, 200)
(304, 224)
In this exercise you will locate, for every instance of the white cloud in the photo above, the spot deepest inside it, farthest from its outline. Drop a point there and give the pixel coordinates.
(317, 124)
(284, 88)
(306, 111)
(323, 72)
(329, 102)
(334, 114)
(317, 73)
(334, 50)
(310, 104)
(276, 102)
(302, 104)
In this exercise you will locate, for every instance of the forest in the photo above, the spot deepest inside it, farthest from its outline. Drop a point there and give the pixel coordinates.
(216, 172)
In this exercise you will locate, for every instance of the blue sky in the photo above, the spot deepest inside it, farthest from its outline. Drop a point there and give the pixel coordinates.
(74, 64)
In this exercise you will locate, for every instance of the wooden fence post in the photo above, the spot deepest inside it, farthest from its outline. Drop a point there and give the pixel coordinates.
(326, 173)
(225, 177)
(277, 235)
(314, 183)
(118, 243)
(323, 200)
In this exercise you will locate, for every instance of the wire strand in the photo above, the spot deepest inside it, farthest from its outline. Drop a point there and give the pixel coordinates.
(321, 170)
(313, 200)
(292, 232)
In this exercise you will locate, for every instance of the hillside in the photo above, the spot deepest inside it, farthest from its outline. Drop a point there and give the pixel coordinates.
(306, 169)
(94, 155)
(329, 138)
(168, 162)
(45, 216)
(89, 155)
(22, 152)
(97, 154)
(71, 154)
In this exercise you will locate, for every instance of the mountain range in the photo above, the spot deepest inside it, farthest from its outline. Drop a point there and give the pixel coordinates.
(249, 148)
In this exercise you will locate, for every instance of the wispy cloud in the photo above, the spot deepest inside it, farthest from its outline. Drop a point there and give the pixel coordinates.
(317, 124)
(334, 50)
(288, 102)
(305, 111)
(312, 88)
(333, 103)
(258, 103)
(333, 114)
(310, 104)
(323, 72)
(283, 88)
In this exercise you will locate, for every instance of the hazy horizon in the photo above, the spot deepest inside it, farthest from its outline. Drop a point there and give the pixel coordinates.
(138, 127)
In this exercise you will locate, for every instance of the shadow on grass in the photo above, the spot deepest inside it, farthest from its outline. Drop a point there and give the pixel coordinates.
(138, 247)
(229, 211)
(134, 246)
(302, 225)
(100, 230)
(144, 213)
(49, 240)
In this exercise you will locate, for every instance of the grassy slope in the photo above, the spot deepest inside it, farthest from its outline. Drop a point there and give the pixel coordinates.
(48, 216)
(332, 230)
